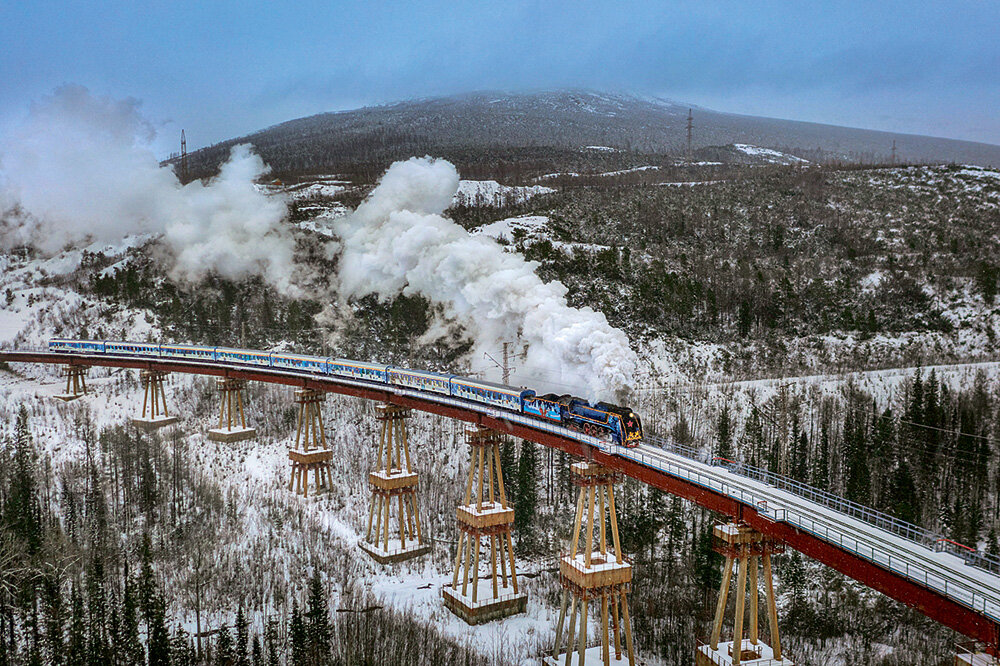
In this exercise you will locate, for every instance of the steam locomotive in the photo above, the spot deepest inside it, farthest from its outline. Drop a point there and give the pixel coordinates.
(603, 420)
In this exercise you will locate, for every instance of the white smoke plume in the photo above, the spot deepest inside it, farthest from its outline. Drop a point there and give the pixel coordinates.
(398, 241)
(80, 170)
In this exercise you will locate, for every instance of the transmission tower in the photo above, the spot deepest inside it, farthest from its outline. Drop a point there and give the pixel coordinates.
(184, 157)
(505, 366)
(893, 159)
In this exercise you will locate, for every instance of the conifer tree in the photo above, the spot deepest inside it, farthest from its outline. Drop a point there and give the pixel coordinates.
(132, 651)
(526, 500)
(297, 636)
(224, 647)
(55, 620)
(256, 653)
(76, 643)
(708, 563)
(241, 650)
(724, 435)
(22, 513)
(317, 621)
(508, 463)
(271, 641)
(158, 636)
(147, 584)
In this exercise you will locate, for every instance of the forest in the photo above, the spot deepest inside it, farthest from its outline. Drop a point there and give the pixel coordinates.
(122, 547)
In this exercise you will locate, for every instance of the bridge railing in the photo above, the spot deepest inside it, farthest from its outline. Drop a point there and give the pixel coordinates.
(933, 540)
(827, 531)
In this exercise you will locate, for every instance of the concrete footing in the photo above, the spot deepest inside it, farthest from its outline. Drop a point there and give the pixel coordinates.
(487, 607)
(759, 654)
(396, 552)
(593, 657)
(151, 424)
(231, 434)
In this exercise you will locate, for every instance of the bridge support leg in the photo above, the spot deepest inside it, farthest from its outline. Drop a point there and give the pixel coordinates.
(76, 382)
(310, 453)
(484, 514)
(393, 482)
(594, 571)
(743, 546)
(154, 402)
(232, 423)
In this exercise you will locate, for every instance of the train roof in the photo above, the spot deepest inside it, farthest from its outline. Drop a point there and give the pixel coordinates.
(299, 356)
(359, 364)
(238, 350)
(493, 386)
(421, 373)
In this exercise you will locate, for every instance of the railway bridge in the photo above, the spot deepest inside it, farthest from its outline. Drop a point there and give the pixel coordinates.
(956, 586)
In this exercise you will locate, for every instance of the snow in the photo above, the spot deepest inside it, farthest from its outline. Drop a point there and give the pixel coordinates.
(534, 228)
(571, 174)
(315, 190)
(769, 155)
(687, 183)
(531, 225)
(605, 149)
(621, 172)
(492, 193)
(632, 170)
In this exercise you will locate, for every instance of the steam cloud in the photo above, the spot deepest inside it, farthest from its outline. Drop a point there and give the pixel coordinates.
(398, 241)
(80, 170)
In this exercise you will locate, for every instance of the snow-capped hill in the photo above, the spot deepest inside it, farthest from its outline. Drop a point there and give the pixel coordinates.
(493, 123)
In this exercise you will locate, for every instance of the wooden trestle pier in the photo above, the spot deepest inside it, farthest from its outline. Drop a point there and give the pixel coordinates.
(231, 412)
(594, 572)
(154, 401)
(485, 515)
(742, 545)
(76, 382)
(393, 479)
(311, 453)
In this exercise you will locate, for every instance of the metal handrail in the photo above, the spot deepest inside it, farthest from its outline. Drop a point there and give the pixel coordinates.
(953, 589)
(933, 540)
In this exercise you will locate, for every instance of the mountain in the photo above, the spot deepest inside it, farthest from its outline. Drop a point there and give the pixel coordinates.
(495, 127)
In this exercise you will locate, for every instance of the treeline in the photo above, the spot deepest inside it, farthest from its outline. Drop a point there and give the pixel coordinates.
(105, 558)
(774, 252)
(930, 457)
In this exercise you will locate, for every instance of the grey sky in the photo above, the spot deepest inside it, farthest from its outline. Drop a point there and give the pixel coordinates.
(221, 69)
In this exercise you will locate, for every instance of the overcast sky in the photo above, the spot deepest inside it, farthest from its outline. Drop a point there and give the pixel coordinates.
(222, 69)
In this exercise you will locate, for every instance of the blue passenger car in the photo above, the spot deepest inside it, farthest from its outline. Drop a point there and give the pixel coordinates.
(536, 405)
(188, 351)
(497, 395)
(372, 372)
(420, 380)
(66, 345)
(243, 356)
(127, 348)
(316, 364)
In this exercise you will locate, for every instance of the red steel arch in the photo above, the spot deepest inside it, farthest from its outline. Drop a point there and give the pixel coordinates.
(929, 602)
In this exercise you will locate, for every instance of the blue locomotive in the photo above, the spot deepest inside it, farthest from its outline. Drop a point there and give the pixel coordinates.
(601, 419)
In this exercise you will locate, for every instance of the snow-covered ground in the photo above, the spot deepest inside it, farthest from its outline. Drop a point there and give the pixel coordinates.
(492, 193)
(769, 155)
(529, 229)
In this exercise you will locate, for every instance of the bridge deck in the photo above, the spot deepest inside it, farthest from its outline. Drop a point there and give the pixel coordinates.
(940, 585)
